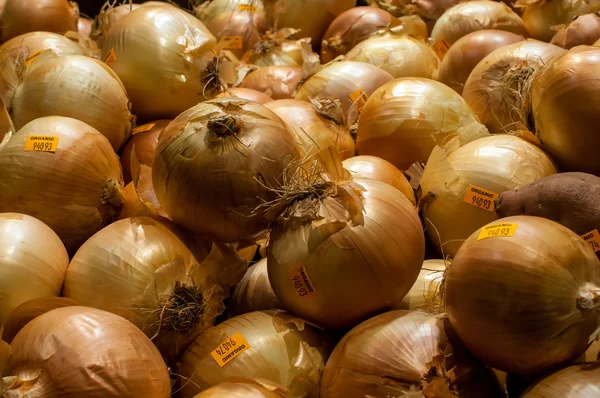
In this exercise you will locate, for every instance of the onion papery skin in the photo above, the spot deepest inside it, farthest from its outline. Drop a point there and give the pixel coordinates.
(584, 30)
(23, 16)
(406, 118)
(577, 381)
(33, 261)
(400, 56)
(472, 16)
(242, 24)
(426, 293)
(144, 144)
(399, 352)
(163, 77)
(65, 351)
(254, 292)
(79, 87)
(497, 164)
(283, 349)
(490, 279)
(565, 102)
(244, 388)
(207, 11)
(313, 131)
(278, 82)
(375, 168)
(468, 51)
(233, 169)
(351, 27)
(247, 94)
(490, 89)
(75, 191)
(373, 264)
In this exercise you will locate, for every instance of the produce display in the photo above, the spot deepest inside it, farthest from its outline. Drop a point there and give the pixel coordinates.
(299, 199)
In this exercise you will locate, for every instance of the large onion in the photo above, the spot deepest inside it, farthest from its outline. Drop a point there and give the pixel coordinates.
(75, 191)
(244, 388)
(472, 16)
(208, 10)
(214, 165)
(499, 88)
(278, 82)
(426, 293)
(494, 164)
(242, 27)
(246, 93)
(503, 299)
(400, 352)
(254, 292)
(468, 51)
(406, 118)
(84, 352)
(33, 261)
(577, 381)
(142, 144)
(584, 30)
(280, 348)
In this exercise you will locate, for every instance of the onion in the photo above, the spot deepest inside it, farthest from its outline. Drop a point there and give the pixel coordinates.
(315, 126)
(468, 51)
(426, 293)
(278, 82)
(584, 30)
(254, 292)
(491, 165)
(144, 144)
(279, 347)
(472, 16)
(239, 25)
(22, 16)
(406, 118)
(234, 150)
(278, 48)
(84, 26)
(399, 352)
(84, 352)
(244, 388)
(503, 299)
(351, 27)
(75, 191)
(565, 104)
(79, 87)
(400, 55)
(428, 10)
(247, 94)
(208, 10)
(381, 170)
(577, 381)
(499, 88)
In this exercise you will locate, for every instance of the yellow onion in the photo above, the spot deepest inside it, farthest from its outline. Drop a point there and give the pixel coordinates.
(75, 191)
(381, 170)
(254, 292)
(468, 51)
(247, 94)
(565, 109)
(584, 30)
(241, 25)
(79, 87)
(503, 299)
(406, 118)
(278, 82)
(245, 388)
(207, 11)
(280, 348)
(577, 381)
(216, 163)
(315, 126)
(143, 143)
(278, 48)
(400, 55)
(22, 16)
(84, 26)
(472, 16)
(33, 261)
(450, 181)
(427, 10)
(499, 88)
(351, 27)
(400, 352)
(426, 293)
(84, 352)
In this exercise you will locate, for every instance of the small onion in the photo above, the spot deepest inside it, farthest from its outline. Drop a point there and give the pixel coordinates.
(503, 299)
(426, 293)
(75, 191)
(278, 48)
(406, 118)
(468, 51)
(499, 88)
(281, 348)
(254, 292)
(577, 381)
(381, 170)
(144, 143)
(247, 94)
(472, 16)
(584, 30)
(85, 352)
(242, 25)
(244, 388)
(208, 10)
(399, 352)
(278, 82)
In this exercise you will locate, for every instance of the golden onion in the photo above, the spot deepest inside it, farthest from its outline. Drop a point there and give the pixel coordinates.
(207, 11)
(406, 118)
(278, 48)
(253, 292)
(278, 82)
(245, 388)
(143, 142)
(503, 299)
(75, 190)
(583, 30)
(241, 28)
(247, 94)
(576, 381)
(499, 88)
(426, 293)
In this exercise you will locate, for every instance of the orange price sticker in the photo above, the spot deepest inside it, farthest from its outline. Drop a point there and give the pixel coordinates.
(111, 57)
(247, 7)
(41, 143)
(441, 47)
(301, 281)
(231, 42)
(143, 128)
(592, 239)
(481, 198)
(359, 98)
(497, 230)
(29, 60)
(229, 349)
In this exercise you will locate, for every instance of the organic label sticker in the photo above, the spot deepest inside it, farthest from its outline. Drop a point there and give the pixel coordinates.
(247, 7)
(441, 47)
(229, 349)
(29, 60)
(143, 128)
(41, 143)
(479, 197)
(592, 239)
(232, 42)
(359, 98)
(111, 57)
(300, 280)
(495, 230)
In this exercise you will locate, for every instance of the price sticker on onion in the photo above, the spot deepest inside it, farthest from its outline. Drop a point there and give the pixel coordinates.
(247, 7)
(481, 198)
(29, 60)
(143, 128)
(41, 143)
(229, 349)
(300, 280)
(231, 42)
(497, 230)
(593, 239)
(111, 57)
(359, 98)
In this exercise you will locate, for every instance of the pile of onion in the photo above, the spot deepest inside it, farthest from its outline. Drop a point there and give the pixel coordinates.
(239, 387)
(142, 145)
(207, 11)
(242, 27)
(576, 381)
(253, 292)
(247, 94)
(400, 352)
(84, 352)
(503, 299)
(270, 345)
(406, 118)
(278, 82)
(499, 88)
(426, 293)
(75, 190)
(584, 30)
(279, 48)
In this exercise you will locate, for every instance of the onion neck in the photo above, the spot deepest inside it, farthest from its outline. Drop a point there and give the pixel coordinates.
(224, 126)
(330, 108)
(589, 298)
(113, 193)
